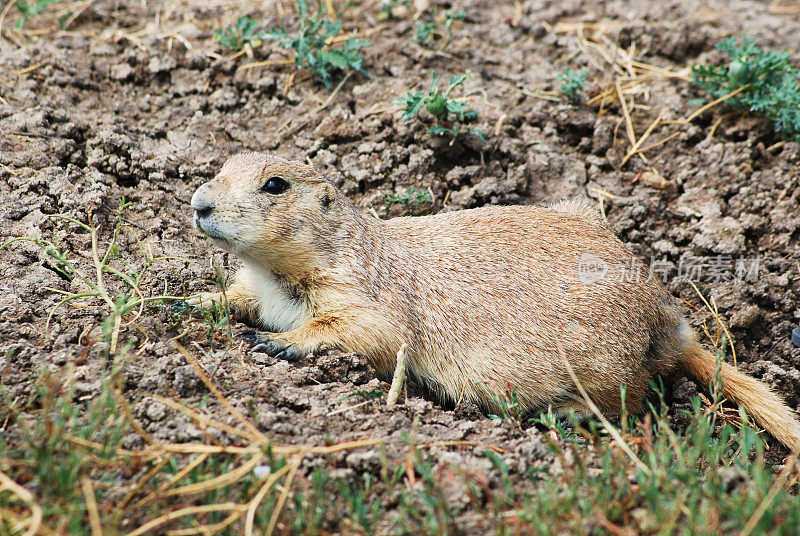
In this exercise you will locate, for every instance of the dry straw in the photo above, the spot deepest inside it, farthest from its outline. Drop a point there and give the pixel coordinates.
(629, 86)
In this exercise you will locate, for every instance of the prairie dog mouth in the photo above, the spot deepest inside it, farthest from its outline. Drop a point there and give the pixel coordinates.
(207, 230)
(197, 225)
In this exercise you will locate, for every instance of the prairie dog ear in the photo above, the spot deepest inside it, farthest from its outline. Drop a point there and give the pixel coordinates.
(326, 195)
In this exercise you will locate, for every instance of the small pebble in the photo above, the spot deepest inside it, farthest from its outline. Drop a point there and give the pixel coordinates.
(260, 471)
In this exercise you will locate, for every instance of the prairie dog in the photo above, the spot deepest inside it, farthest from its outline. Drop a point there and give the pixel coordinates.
(486, 299)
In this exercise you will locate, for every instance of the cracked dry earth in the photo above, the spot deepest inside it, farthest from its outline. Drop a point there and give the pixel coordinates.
(118, 107)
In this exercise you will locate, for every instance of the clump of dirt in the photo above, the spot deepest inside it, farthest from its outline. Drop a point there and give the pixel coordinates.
(137, 102)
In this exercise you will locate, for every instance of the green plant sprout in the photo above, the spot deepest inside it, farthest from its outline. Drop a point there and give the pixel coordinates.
(29, 10)
(216, 315)
(450, 116)
(46, 437)
(369, 394)
(239, 34)
(360, 509)
(555, 423)
(412, 200)
(119, 305)
(573, 83)
(510, 410)
(756, 80)
(438, 29)
(314, 46)
(387, 6)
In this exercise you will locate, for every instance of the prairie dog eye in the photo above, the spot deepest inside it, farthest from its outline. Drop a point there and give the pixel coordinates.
(275, 186)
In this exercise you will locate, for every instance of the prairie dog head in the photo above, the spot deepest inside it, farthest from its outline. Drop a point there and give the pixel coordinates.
(268, 210)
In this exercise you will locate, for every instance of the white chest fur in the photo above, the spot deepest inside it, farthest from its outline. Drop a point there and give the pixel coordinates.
(277, 308)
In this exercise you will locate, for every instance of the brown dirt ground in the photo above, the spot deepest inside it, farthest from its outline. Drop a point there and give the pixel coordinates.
(141, 103)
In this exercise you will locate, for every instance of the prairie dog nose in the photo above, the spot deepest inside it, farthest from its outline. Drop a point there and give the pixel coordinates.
(203, 210)
(201, 205)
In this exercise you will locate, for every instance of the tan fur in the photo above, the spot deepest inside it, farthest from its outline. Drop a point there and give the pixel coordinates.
(482, 297)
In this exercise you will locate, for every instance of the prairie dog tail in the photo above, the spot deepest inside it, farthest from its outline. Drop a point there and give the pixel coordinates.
(766, 408)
